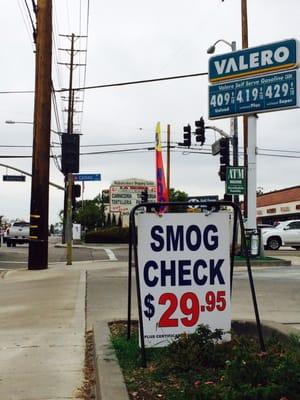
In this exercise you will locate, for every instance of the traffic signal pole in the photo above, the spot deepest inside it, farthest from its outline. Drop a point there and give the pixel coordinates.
(251, 193)
(39, 205)
(69, 178)
(244, 18)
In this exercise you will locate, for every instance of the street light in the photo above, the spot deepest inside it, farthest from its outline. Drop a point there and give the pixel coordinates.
(11, 122)
(212, 48)
(233, 121)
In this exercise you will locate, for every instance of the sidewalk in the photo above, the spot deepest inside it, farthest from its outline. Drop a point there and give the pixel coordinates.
(42, 319)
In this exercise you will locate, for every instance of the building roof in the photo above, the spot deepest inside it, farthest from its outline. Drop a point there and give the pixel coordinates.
(286, 195)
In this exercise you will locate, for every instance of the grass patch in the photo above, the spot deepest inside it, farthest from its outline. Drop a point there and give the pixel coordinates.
(198, 367)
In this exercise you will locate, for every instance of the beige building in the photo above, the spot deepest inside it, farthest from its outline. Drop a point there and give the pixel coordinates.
(279, 205)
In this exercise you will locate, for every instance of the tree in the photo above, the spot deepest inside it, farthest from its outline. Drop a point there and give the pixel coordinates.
(259, 191)
(108, 221)
(120, 221)
(175, 196)
(89, 213)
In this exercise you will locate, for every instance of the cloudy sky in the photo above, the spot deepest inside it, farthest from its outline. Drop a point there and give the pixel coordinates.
(129, 41)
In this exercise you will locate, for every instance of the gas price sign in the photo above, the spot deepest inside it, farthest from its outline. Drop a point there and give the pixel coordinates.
(184, 272)
(260, 94)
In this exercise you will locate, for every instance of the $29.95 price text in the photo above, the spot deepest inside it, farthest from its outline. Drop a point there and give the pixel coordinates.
(188, 304)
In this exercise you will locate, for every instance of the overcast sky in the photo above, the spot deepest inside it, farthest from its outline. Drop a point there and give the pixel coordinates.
(130, 41)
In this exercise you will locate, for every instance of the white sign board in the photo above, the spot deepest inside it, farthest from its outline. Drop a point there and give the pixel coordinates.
(124, 197)
(184, 271)
(76, 231)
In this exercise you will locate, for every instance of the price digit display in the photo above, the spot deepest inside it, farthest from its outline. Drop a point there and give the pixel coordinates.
(184, 266)
(258, 94)
(188, 305)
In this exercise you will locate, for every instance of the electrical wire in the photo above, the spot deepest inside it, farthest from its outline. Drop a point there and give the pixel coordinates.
(136, 82)
(31, 20)
(25, 20)
(117, 83)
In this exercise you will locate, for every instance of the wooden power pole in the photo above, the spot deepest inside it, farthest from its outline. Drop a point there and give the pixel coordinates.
(38, 244)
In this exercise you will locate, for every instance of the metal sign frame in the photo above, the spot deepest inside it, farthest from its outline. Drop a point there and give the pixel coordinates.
(134, 262)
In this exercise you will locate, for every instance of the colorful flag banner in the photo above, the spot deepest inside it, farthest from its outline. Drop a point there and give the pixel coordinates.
(161, 188)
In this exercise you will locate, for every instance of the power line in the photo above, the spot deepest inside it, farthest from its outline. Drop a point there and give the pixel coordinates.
(136, 82)
(107, 85)
(32, 23)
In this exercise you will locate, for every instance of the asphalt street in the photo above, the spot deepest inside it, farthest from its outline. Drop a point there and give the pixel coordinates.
(277, 288)
(17, 257)
(277, 291)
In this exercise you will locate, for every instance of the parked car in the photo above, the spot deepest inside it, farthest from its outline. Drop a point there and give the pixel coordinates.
(264, 226)
(18, 233)
(285, 233)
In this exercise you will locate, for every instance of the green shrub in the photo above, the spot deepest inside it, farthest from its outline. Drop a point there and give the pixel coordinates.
(108, 235)
(198, 367)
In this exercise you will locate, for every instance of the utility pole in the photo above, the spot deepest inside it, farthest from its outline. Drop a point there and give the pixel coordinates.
(245, 117)
(39, 206)
(67, 220)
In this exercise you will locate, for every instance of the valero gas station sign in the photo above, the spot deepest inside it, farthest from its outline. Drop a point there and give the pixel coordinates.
(236, 92)
(263, 59)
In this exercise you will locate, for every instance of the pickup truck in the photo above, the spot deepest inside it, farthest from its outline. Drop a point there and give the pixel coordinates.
(286, 233)
(18, 233)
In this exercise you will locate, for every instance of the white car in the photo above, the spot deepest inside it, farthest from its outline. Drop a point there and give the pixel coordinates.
(286, 233)
(18, 233)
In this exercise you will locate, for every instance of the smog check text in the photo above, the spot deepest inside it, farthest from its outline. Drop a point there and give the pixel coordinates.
(183, 272)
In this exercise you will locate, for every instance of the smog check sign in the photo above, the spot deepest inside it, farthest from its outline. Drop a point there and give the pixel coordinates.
(263, 59)
(184, 273)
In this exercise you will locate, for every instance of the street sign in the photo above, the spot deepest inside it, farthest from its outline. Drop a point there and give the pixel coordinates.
(235, 180)
(86, 177)
(184, 274)
(14, 178)
(281, 55)
(194, 201)
(263, 93)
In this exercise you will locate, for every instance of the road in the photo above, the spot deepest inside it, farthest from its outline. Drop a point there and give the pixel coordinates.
(277, 292)
(277, 288)
(17, 257)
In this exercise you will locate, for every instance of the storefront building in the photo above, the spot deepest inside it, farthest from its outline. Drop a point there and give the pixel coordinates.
(279, 205)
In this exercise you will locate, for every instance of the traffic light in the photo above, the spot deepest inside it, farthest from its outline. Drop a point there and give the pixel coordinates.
(224, 157)
(76, 192)
(144, 196)
(70, 153)
(200, 131)
(187, 136)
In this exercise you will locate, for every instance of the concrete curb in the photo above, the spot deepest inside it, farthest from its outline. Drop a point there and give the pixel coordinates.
(257, 263)
(110, 383)
(269, 328)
